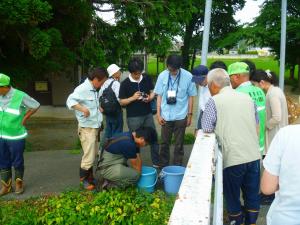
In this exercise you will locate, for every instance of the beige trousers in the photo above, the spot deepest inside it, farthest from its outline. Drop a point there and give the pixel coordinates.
(90, 145)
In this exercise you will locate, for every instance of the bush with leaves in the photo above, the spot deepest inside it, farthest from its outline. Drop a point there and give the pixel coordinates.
(115, 206)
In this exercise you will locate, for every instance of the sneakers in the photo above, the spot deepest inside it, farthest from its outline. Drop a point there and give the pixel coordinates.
(156, 166)
(6, 188)
(19, 186)
(86, 185)
(266, 199)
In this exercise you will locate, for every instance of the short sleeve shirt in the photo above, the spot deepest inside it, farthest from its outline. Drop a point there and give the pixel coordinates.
(282, 160)
(128, 88)
(184, 88)
(125, 147)
(27, 101)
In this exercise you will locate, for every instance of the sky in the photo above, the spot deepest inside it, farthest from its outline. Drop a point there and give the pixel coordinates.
(249, 12)
(246, 15)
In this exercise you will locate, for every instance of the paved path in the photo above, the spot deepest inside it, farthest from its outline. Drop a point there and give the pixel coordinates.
(57, 171)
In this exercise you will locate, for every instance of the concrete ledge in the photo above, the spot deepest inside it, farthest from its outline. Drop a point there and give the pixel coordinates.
(193, 203)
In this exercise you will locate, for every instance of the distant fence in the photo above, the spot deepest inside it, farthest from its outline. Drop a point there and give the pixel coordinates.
(194, 204)
(233, 56)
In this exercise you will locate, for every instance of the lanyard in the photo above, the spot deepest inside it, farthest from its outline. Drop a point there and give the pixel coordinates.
(173, 83)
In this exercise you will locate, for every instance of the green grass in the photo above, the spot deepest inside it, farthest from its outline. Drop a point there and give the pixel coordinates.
(261, 63)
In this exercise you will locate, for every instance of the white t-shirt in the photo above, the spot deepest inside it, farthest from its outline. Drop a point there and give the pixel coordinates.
(115, 86)
(204, 95)
(283, 160)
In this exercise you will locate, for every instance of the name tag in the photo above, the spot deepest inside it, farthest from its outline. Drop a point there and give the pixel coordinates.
(171, 94)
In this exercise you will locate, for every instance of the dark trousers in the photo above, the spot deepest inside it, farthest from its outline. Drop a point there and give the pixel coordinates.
(145, 121)
(114, 125)
(11, 154)
(177, 128)
(245, 177)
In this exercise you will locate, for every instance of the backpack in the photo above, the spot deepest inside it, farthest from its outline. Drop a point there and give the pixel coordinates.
(109, 102)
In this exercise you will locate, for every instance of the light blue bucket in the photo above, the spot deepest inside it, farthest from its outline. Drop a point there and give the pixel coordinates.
(172, 176)
(148, 179)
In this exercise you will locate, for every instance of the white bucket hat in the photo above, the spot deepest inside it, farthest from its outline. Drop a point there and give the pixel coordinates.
(112, 69)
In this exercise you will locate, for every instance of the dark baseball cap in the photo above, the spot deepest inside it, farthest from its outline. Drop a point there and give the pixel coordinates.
(199, 74)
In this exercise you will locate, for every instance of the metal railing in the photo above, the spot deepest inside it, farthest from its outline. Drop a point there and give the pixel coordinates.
(194, 204)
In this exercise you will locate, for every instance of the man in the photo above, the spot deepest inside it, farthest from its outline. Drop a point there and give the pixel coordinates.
(136, 94)
(175, 91)
(114, 123)
(13, 106)
(231, 115)
(85, 101)
(200, 78)
(218, 64)
(123, 147)
(239, 73)
(281, 175)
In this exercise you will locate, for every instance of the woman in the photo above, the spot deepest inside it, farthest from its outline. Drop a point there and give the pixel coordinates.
(276, 105)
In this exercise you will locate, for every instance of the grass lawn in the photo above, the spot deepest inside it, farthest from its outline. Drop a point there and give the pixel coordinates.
(261, 63)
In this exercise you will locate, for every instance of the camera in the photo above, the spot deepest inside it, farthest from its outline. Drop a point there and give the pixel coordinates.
(143, 96)
(171, 97)
(171, 100)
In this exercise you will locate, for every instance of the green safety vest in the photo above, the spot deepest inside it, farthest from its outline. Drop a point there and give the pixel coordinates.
(11, 127)
(259, 98)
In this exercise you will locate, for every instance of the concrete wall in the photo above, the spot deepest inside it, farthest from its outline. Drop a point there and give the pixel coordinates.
(62, 86)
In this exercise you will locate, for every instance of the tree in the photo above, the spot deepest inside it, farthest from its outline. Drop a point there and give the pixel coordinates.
(140, 26)
(265, 31)
(222, 23)
(40, 37)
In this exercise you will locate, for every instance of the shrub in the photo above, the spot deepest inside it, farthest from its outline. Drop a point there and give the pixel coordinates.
(115, 206)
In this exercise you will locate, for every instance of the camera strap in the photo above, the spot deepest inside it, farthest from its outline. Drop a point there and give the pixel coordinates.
(177, 79)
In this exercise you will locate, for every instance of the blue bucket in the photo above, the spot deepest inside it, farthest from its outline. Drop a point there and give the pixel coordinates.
(147, 179)
(172, 176)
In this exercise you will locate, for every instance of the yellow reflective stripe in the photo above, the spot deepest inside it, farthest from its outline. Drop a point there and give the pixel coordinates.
(14, 137)
(12, 111)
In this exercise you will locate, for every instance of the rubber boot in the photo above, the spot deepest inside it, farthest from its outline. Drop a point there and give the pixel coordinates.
(19, 173)
(237, 219)
(84, 183)
(6, 182)
(251, 217)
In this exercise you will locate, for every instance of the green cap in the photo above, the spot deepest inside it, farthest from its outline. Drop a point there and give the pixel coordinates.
(4, 80)
(238, 68)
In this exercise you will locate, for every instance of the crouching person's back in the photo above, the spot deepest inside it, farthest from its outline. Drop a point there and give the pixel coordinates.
(118, 151)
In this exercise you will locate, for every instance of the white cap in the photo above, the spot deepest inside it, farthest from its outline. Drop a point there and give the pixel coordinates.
(112, 69)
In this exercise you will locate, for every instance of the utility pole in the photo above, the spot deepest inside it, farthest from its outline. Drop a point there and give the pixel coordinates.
(205, 39)
(282, 43)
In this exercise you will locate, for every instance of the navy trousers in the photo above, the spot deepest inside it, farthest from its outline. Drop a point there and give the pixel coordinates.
(245, 177)
(11, 154)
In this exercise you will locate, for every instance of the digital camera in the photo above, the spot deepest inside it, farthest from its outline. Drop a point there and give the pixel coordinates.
(171, 100)
(143, 96)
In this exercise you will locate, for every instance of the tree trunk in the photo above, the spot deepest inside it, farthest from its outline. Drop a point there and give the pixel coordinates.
(189, 28)
(193, 58)
(292, 72)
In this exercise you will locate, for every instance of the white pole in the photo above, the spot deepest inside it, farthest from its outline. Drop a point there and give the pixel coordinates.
(282, 43)
(205, 39)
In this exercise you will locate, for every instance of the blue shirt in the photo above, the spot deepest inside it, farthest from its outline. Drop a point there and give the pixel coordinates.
(125, 147)
(185, 89)
(27, 101)
(86, 95)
